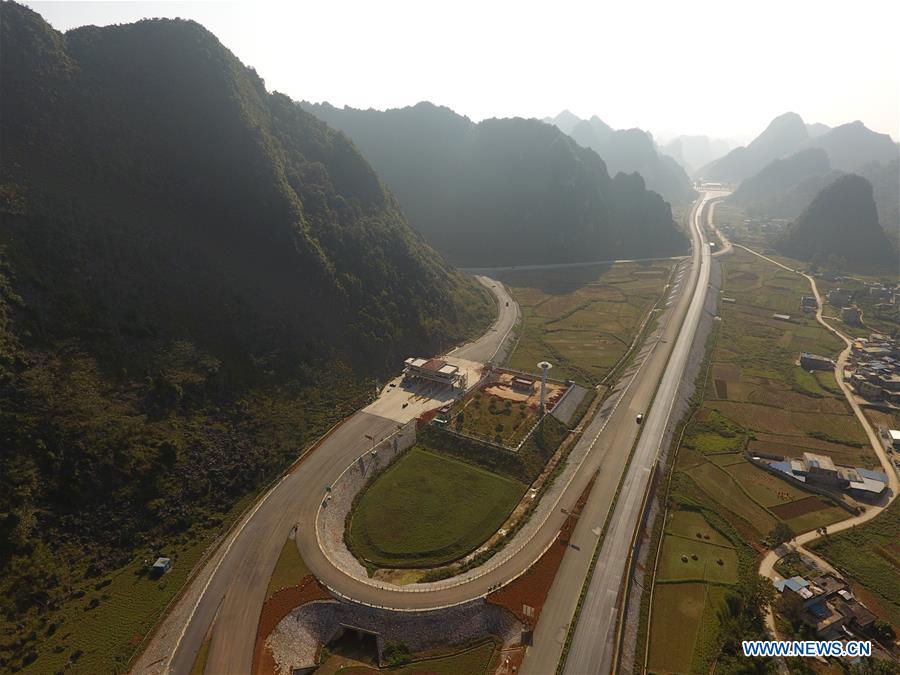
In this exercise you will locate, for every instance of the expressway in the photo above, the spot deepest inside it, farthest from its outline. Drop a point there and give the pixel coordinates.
(592, 646)
(561, 603)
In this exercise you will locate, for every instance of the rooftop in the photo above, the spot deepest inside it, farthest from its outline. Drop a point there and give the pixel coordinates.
(822, 462)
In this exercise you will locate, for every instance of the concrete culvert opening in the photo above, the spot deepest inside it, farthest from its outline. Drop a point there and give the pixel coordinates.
(356, 643)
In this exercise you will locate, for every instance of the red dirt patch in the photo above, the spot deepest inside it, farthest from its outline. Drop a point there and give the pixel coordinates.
(274, 610)
(531, 588)
(515, 655)
(798, 508)
(425, 418)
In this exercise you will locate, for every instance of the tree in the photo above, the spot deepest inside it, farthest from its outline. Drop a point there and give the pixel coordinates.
(781, 533)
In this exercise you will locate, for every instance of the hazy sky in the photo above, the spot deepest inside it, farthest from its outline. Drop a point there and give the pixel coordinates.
(721, 68)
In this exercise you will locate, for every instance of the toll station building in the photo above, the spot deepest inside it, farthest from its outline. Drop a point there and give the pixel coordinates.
(433, 370)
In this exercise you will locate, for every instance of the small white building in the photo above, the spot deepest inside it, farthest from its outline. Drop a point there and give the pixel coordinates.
(895, 438)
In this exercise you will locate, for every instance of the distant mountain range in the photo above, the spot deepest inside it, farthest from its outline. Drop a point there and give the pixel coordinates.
(506, 191)
(692, 152)
(785, 185)
(841, 221)
(198, 278)
(770, 191)
(785, 135)
(629, 151)
(848, 146)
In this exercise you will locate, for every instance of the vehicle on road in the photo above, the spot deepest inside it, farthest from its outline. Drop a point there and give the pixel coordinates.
(639, 418)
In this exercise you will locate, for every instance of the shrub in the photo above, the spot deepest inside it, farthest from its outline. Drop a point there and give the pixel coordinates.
(396, 654)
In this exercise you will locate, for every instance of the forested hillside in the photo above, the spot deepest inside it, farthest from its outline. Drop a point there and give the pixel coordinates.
(631, 151)
(197, 278)
(783, 136)
(841, 222)
(506, 191)
(770, 189)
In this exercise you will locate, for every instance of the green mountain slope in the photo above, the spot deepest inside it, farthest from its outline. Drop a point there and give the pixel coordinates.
(197, 278)
(631, 151)
(885, 180)
(779, 178)
(506, 191)
(841, 221)
(784, 135)
(852, 145)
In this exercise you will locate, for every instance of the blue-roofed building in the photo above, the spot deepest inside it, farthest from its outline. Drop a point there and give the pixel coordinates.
(874, 475)
(783, 466)
(866, 483)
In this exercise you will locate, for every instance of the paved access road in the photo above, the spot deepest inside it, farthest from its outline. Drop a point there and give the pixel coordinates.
(592, 649)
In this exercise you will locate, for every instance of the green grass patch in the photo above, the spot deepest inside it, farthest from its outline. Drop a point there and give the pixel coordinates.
(764, 487)
(490, 417)
(713, 443)
(719, 485)
(677, 610)
(707, 642)
(692, 523)
(816, 519)
(684, 559)
(202, 657)
(524, 465)
(428, 509)
(289, 570)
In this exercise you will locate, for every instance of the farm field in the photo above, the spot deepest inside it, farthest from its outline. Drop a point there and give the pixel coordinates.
(809, 514)
(677, 609)
(428, 509)
(684, 616)
(691, 524)
(685, 559)
(724, 490)
(583, 319)
(756, 398)
(764, 488)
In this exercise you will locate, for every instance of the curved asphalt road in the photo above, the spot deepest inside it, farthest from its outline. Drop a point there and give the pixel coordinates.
(232, 596)
(229, 592)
